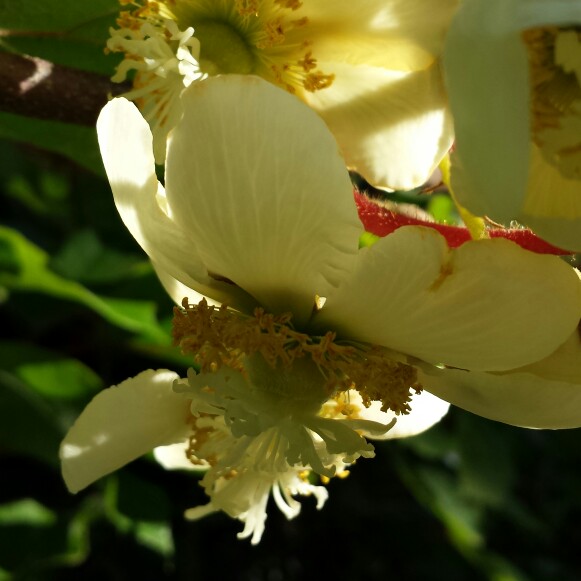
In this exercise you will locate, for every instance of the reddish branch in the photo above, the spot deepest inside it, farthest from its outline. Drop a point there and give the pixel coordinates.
(37, 88)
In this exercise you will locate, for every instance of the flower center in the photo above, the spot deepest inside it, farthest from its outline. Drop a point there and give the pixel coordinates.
(268, 38)
(271, 404)
(285, 363)
(223, 49)
(555, 74)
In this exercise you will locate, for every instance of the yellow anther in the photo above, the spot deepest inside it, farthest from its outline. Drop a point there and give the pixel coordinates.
(317, 81)
(556, 95)
(290, 4)
(308, 63)
(219, 337)
(247, 7)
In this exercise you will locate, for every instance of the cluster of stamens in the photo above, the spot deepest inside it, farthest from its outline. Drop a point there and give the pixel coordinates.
(142, 11)
(555, 95)
(267, 28)
(217, 337)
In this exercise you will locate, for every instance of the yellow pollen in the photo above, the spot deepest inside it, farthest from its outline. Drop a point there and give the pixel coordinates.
(317, 81)
(197, 439)
(278, 43)
(148, 10)
(247, 7)
(308, 63)
(555, 75)
(273, 33)
(291, 4)
(217, 337)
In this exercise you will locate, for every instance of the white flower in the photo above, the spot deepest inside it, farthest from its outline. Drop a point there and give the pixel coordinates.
(257, 213)
(370, 69)
(513, 71)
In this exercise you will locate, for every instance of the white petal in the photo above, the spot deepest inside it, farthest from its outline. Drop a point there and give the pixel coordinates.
(427, 410)
(398, 34)
(126, 147)
(487, 305)
(491, 111)
(393, 127)
(122, 423)
(544, 395)
(496, 170)
(256, 179)
(173, 457)
(178, 291)
(552, 207)
(563, 365)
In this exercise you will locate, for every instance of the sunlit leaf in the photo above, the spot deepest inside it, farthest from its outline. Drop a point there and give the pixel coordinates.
(26, 512)
(73, 141)
(73, 35)
(28, 271)
(85, 259)
(48, 373)
(155, 536)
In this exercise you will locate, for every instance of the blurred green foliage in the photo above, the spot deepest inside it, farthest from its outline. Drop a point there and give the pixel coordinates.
(81, 309)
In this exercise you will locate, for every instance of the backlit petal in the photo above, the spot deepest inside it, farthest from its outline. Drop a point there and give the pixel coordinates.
(553, 204)
(122, 423)
(393, 127)
(397, 35)
(255, 177)
(178, 291)
(487, 305)
(491, 113)
(427, 410)
(173, 457)
(546, 394)
(126, 147)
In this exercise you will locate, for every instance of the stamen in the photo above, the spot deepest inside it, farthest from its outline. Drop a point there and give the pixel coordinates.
(219, 337)
(556, 96)
(247, 7)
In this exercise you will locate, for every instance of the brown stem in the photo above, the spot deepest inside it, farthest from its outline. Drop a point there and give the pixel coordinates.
(37, 88)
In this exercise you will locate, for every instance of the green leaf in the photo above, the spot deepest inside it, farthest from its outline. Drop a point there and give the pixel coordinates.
(43, 15)
(487, 468)
(140, 499)
(73, 35)
(85, 259)
(155, 536)
(73, 141)
(26, 511)
(442, 208)
(27, 270)
(28, 425)
(48, 373)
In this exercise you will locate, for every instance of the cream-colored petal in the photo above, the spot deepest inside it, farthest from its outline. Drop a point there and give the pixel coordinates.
(552, 206)
(486, 70)
(427, 410)
(122, 423)
(173, 457)
(126, 147)
(255, 178)
(178, 291)
(546, 394)
(393, 127)
(396, 35)
(487, 305)
(563, 365)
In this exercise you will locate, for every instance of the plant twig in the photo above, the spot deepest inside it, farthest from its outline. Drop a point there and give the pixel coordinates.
(37, 88)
